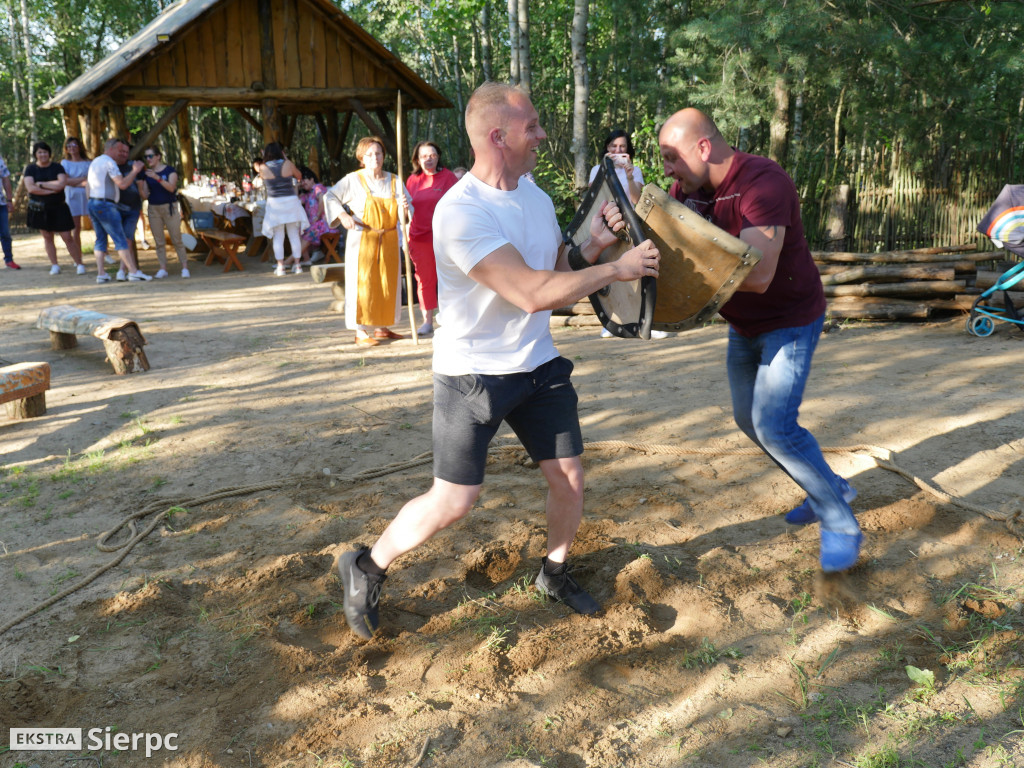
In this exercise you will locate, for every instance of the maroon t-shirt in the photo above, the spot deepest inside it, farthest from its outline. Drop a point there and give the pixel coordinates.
(758, 193)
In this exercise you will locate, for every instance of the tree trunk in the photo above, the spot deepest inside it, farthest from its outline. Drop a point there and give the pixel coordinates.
(780, 123)
(27, 43)
(485, 39)
(13, 34)
(581, 99)
(525, 73)
(513, 41)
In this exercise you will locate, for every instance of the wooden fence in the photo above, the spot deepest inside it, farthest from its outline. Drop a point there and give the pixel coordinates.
(879, 203)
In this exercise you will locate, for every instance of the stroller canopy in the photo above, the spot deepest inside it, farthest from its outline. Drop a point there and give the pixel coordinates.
(1004, 222)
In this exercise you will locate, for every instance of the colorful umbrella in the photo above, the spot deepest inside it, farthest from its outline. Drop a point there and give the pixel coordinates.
(1004, 222)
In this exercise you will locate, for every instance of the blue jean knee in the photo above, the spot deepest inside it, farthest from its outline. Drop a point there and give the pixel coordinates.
(768, 375)
(106, 221)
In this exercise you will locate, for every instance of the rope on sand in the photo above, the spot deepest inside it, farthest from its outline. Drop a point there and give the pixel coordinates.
(883, 458)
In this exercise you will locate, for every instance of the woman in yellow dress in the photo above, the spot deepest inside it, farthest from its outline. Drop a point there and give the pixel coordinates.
(366, 203)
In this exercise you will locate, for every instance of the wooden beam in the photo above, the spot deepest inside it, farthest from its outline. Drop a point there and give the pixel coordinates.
(268, 67)
(288, 130)
(248, 97)
(150, 136)
(343, 135)
(271, 121)
(359, 109)
(119, 123)
(389, 129)
(187, 158)
(250, 119)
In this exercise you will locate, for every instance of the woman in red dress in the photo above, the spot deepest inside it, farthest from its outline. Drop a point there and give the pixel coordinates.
(428, 182)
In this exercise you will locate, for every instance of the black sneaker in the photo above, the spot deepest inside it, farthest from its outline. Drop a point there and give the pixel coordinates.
(563, 587)
(362, 593)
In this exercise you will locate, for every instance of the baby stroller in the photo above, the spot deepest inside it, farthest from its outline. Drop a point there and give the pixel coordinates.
(1004, 225)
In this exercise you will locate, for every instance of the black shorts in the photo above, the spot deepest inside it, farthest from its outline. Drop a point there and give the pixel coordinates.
(540, 406)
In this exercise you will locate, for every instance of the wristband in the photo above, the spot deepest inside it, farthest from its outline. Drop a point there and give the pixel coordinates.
(576, 260)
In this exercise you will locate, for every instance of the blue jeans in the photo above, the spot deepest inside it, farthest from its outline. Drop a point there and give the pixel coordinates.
(767, 375)
(107, 220)
(5, 234)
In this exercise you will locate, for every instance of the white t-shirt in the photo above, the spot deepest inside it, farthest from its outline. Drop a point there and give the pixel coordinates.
(623, 180)
(102, 171)
(480, 332)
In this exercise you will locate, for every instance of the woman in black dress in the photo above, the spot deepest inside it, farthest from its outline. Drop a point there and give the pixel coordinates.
(47, 210)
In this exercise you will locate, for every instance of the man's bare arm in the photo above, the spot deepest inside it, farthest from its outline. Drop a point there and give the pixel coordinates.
(768, 240)
(534, 290)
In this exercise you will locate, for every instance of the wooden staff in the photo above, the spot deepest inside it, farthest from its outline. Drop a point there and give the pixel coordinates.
(405, 220)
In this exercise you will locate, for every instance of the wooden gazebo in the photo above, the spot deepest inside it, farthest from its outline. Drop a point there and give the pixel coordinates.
(271, 60)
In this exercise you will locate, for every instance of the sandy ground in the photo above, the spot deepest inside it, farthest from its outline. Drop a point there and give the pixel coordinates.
(719, 644)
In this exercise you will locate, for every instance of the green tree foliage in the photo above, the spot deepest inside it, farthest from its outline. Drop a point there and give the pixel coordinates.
(841, 92)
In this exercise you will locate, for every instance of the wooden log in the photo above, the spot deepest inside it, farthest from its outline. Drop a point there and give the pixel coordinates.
(575, 321)
(60, 340)
(960, 267)
(581, 307)
(987, 278)
(890, 255)
(27, 408)
(917, 288)
(878, 309)
(124, 351)
(888, 274)
(902, 257)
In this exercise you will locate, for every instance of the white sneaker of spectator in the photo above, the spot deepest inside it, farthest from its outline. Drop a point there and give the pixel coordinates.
(121, 276)
(185, 274)
(110, 259)
(80, 269)
(55, 270)
(137, 276)
(161, 274)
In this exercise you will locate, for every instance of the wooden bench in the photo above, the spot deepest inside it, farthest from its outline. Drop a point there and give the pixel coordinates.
(223, 247)
(121, 337)
(23, 388)
(329, 242)
(334, 275)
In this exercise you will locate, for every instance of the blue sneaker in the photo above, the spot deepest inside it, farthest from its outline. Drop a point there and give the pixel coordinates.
(804, 515)
(839, 551)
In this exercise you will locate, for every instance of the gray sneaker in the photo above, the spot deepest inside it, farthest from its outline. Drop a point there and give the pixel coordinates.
(563, 587)
(362, 594)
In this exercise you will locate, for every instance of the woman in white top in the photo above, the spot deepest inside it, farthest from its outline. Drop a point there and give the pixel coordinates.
(76, 166)
(367, 204)
(620, 147)
(284, 214)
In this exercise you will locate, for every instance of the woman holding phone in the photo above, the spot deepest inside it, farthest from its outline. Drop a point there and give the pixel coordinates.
(619, 147)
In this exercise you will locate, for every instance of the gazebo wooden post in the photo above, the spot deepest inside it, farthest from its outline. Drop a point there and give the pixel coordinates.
(119, 123)
(187, 160)
(271, 122)
(94, 132)
(71, 127)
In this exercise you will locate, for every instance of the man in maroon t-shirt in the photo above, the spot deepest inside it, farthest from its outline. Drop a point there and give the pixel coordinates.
(775, 316)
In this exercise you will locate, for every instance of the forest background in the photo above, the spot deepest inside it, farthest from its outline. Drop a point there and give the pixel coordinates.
(900, 120)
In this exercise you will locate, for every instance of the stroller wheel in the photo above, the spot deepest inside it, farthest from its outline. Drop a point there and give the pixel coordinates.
(981, 325)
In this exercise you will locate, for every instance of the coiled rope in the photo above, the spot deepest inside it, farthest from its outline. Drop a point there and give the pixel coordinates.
(882, 457)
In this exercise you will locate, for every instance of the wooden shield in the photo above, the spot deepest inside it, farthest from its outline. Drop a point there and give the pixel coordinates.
(625, 309)
(701, 265)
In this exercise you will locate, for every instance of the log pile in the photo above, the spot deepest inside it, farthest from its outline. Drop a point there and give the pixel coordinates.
(900, 285)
